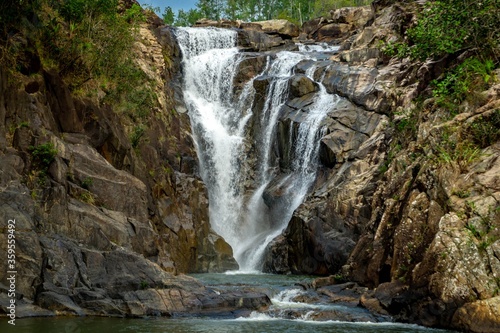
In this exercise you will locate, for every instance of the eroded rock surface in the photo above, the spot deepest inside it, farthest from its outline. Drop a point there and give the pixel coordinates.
(104, 226)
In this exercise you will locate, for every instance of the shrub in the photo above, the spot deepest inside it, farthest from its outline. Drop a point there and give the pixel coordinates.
(136, 135)
(87, 182)
(448, 26)
(486, 130)
(459, 83)
(43, 155)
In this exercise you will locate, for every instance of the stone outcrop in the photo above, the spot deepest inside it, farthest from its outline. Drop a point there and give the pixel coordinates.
(105, 223)
(399, 208)
(284, 28)
(392, 209)
(342, 24)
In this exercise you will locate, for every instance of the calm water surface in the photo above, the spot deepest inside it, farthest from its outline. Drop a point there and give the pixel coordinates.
(255, 323)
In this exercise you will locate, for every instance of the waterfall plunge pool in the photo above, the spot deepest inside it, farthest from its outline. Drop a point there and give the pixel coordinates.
(284, 316)
(198, 325)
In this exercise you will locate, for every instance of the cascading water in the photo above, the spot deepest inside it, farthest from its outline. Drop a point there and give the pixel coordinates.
(219, 120)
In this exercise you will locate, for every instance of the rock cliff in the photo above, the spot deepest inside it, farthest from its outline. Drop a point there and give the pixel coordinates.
(404, 203)
(399, 206)
(107, 211)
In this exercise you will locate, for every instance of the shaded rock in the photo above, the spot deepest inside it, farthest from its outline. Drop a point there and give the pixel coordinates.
(116, 189)
(61, 104)
(301, 85)
(306, 248)
(344, 293)
(333, 31)
(248, 68)
(61, 304)
(257, 41)
(371, 303)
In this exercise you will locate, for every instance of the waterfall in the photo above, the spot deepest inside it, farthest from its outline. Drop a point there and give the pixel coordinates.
(220, 119)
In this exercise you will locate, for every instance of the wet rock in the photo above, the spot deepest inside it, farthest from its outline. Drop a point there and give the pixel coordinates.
(301, 85)
(304, 248)
(346, 293)
(251, 66)
(60, 304)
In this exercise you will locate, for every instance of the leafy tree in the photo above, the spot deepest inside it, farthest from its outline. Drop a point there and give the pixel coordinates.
(211, 9)
(187, 18)
(168, 16)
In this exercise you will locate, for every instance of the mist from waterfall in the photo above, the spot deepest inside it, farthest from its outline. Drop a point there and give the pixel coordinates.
(220, 120)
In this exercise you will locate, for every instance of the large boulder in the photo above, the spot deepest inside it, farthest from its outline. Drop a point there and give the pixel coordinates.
(341, 24)
(480, 316)
(357, 17)
(284, 28)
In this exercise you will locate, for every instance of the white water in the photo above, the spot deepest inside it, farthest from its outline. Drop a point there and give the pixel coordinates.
(219, 121)
(319, 47)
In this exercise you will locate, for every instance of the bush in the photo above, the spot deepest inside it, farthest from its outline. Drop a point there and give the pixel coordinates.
(486, 131)
(43, 155)
(136, 136)
(448, 26)
(89, 43)
(459, 83)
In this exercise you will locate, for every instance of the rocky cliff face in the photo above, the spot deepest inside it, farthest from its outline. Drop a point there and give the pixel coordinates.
(400, 205)
(397, 206)
(105, 213)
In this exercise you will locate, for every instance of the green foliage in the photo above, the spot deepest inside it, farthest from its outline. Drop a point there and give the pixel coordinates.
(486, 130)
(395, 49)
(43, 155)
(87, 182)
(134, 14)
(168, 15)
(447, 26)
(11, 11)
(187, 18)
(407, 126)
(136, 135)
(87, 197)
(473, 230)
(296, 11)
(454, 148)
(459, 83)
(462, 194)
(89, 43)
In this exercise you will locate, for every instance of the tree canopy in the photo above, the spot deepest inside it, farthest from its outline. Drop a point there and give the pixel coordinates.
(297, 11)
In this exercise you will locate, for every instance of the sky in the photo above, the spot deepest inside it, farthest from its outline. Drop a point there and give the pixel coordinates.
(175, 4)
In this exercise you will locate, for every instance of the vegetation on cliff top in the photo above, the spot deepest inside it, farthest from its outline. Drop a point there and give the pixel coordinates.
(88, 42)
(297, 11)
(463, 36)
